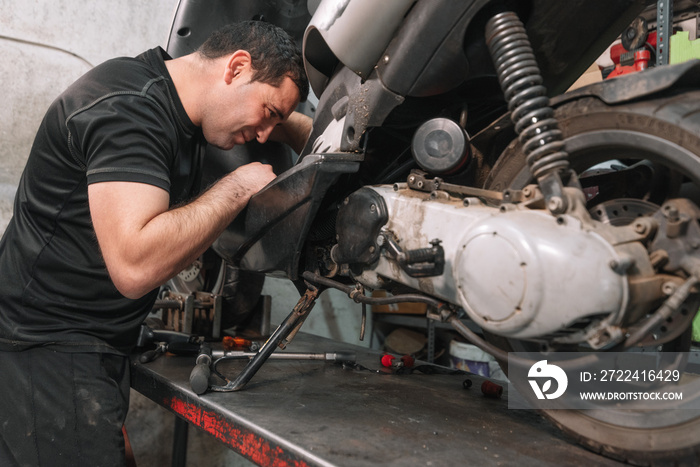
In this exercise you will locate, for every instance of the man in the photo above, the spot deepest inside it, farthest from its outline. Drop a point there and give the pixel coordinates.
(103, 217)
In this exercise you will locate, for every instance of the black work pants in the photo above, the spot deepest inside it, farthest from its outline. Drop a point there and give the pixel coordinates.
(62, 409)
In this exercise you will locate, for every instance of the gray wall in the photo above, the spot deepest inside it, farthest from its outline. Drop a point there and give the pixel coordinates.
(45, 45)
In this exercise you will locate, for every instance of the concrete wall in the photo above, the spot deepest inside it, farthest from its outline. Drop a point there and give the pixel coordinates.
(45, 45)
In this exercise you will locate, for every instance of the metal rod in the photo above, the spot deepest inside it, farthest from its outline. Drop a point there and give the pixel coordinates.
(327, 356)
(360, 298)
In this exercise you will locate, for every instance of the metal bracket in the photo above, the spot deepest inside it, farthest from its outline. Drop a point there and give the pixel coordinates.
(422, 262)
(419, 181)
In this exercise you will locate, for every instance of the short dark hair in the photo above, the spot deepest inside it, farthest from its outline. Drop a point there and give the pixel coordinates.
(273, 52)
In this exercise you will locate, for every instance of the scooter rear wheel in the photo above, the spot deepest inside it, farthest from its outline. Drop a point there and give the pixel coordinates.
(663, 133)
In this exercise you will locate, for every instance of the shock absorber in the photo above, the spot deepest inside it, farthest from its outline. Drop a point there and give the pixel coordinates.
(535, 123)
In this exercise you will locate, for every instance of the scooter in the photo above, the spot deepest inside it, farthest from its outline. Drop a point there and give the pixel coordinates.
(449, 165)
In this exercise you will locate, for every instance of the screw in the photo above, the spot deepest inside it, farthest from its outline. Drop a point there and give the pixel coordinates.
(555, 204)
(640, 228)
(412, 179)
(668, 288)
(372, 208)
(671, 212)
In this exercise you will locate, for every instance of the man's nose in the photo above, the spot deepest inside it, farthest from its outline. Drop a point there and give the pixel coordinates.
(263, 132)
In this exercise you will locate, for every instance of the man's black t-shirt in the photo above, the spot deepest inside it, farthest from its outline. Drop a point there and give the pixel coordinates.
(122, 121)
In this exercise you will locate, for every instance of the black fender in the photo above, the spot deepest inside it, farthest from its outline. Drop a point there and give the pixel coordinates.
(269, 235)
(638, 85)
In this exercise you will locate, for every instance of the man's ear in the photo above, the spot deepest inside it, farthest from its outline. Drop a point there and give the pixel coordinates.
(237, 65)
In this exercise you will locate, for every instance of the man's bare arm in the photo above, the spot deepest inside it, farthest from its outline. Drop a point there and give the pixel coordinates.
(294, 131)
(144, 243)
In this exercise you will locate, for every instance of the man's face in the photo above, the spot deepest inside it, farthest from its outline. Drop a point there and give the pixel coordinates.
(247, 110)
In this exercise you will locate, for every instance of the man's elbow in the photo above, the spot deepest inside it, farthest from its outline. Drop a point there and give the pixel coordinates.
(132, 284)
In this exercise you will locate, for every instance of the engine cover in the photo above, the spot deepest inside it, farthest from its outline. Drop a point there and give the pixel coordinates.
(517, 272)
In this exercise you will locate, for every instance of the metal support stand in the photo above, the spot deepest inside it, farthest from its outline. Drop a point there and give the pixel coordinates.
(281, 337)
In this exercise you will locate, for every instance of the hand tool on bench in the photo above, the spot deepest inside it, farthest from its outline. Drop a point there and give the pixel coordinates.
(165, 341)
(208, 359)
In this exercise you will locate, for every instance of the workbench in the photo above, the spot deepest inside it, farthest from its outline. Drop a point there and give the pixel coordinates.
(306, 412)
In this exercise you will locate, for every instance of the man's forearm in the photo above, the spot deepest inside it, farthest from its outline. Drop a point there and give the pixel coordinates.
(144, 244)
(176, 238)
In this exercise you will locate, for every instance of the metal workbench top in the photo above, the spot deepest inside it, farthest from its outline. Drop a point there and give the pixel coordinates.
(319, 413)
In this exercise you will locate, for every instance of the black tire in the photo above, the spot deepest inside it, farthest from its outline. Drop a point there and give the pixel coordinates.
(665, 130)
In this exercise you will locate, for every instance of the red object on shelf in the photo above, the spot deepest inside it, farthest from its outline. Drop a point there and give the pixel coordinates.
(641, 62)
(617, 50)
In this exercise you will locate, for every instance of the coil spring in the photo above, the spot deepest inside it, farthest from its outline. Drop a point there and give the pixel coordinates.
(527, 99)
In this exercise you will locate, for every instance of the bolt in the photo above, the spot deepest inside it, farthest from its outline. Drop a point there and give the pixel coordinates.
(372, 249)
(372, 208)
(555, 204)
(671, 212)
(640, 228)
(668, 288)
(412, 179)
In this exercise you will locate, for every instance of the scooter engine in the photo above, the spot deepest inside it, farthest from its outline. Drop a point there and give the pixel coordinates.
(516, 270)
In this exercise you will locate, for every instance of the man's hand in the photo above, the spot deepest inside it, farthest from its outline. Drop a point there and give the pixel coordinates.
(144, 243)
(253, 177)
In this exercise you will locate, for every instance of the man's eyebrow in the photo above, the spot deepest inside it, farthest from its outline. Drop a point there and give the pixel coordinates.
(277, 112)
